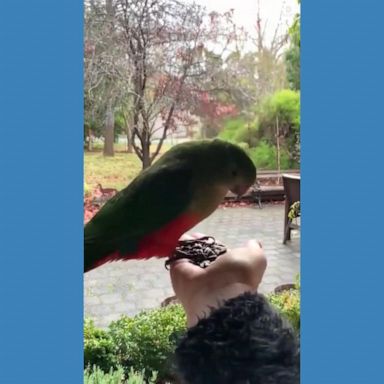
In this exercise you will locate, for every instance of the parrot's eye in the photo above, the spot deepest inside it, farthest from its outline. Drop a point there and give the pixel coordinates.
(234, 173)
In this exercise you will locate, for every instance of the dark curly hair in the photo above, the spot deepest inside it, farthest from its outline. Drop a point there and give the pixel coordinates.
(245, 341)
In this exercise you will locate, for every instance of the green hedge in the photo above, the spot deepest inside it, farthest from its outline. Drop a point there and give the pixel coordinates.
(99, 348)
(145, 342)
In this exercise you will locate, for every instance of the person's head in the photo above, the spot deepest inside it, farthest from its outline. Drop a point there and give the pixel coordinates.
(243, 342)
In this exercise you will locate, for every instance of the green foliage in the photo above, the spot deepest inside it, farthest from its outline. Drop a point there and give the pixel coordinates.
(247, 133)
(244, 146)
(264, 156)
(139, 377)
(288, 304)
(99, 347)
(292, 56)
(282, 110)
(145, 341)
(240, 130)
(283, 105)
(98, 376)
(139, 348)
(95, 375)
(294, 210)
(231, 127)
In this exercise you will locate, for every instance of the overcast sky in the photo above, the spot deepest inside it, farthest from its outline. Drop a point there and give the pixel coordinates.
(245, 12)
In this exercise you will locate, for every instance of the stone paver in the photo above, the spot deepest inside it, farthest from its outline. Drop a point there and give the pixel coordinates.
(132, 286)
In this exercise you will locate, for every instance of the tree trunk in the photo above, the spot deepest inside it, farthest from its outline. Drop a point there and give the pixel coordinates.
(278, 148)
(109, 133)
(90, 143)
(129, 139)
(146, 154)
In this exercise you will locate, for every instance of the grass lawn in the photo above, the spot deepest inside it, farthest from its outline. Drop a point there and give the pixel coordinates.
(111, 172)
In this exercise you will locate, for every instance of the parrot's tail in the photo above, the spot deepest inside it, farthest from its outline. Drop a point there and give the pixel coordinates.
(89, 263)
(94, 256)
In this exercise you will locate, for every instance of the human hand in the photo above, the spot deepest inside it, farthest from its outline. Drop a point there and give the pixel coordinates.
(231, 274)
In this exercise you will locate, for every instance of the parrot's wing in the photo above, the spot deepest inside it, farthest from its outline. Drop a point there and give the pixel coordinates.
(146, 205)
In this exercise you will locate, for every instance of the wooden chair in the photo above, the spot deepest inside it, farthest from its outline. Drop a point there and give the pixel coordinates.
(292, 194)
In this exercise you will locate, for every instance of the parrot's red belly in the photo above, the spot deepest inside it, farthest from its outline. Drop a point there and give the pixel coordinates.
(163, 242)
(160, 243)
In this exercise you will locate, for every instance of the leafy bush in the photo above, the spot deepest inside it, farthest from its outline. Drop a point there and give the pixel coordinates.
(284, 107)
(146, 341)
(288, 303)
(97, 376)
(264, 156)
(238, 130)
(244, 146)
(139, 377)
(141, 345)
(143, 342)
(99, 348)
(231, 127)
(247, 133)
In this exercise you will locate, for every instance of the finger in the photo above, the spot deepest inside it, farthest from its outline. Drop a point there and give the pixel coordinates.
(187, 236)
(183, 268)
(198, 235)
(254, 244)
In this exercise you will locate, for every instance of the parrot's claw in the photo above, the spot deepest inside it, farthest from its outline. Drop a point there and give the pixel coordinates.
(201, 252)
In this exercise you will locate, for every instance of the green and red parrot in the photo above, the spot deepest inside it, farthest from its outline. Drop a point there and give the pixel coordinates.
(182, 188)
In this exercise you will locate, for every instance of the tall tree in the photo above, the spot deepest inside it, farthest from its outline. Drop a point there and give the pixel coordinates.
(106, 76)
(164, 44)
(292, 56)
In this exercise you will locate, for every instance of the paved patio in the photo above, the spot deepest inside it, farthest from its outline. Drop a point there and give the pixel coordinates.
(129, 287)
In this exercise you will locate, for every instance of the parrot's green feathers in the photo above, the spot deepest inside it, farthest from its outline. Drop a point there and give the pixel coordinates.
(182, 180)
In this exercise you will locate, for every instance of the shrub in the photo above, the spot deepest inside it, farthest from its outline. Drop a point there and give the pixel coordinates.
(99, 348)
(264, 156)
(288, 304)
(139, 377)
(97, 376)
(247, 133)
(244, 146)
(283, 106)
(231, 127)
(146, 341)
(143, 344)
(238, 130)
